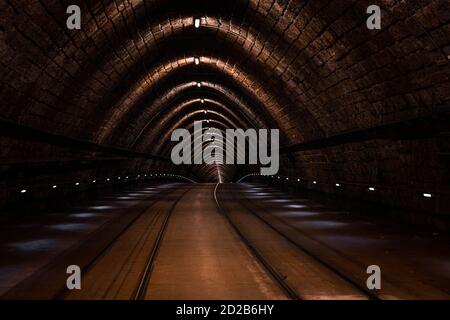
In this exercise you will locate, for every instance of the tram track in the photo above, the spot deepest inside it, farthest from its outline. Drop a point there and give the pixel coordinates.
(128, 259)
(142, 288)
(290, 292)
(269, 265)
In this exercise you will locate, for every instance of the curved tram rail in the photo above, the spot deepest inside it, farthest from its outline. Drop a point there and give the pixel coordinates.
(142, 288)
(291, 292)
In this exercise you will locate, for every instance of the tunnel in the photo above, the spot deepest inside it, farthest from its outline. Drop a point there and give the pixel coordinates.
(224, 150)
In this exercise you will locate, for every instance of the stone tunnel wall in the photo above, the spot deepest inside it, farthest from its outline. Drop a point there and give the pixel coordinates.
(310, 68)
(400, 171)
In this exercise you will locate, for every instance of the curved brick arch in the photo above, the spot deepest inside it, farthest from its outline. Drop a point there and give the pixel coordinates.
(315, 55)
(110, 13)
(228, 171)
(164, 145)
(275, 105)
(156, 106)
(181, 76)
(187, 121)
(279, 12)
(146, 139)
(214, 124)
(351, 112)
(254, 38)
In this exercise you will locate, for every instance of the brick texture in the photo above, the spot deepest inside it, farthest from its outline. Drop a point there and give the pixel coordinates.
(310, 68)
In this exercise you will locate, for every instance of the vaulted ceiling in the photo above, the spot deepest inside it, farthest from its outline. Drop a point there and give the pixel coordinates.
(312, 69)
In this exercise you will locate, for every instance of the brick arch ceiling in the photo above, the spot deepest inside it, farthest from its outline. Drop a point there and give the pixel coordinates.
(187, 107)
(312, 65)
(170, 86)
(187, 122)
(283, 44)
(250, 36)
(157, 105)
(183, 24)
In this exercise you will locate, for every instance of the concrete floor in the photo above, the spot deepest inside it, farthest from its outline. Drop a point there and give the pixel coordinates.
(126, 258)
(415, 262)
(201, 257)
(310, 279)
(319, 252)
(36, 246)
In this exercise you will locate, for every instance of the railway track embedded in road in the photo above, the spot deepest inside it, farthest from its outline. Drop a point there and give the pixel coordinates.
(369, 294)
(142, 288)
(290, 292)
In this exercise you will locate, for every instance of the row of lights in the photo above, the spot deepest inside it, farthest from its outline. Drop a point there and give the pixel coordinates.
(118, 178)
(197, 24)
(338, 185)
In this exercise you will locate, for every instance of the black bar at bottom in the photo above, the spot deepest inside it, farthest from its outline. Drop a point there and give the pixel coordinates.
(224, 309)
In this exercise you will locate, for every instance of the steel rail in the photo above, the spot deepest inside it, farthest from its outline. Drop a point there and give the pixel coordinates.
(271, 271)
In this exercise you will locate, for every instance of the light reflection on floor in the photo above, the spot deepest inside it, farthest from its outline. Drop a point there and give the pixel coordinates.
(368, 239)
(35, 244)
(27, 244)
(84, 215)
(71, 226)
(353, 241)
(101, 208)
(297, 213)
(324, 224)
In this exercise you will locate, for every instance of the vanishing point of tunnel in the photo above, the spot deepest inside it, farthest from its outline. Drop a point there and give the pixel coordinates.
(225, 150)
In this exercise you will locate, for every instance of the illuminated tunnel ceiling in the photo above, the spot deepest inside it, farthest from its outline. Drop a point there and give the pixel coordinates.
(355, 106)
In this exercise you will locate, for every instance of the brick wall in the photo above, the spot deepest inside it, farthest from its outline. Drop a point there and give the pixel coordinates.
(310, 68)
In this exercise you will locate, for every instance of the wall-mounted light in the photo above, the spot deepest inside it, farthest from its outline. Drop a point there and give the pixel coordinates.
(23, 191)
(197, 23)
(94, 181)
(315, 182)
(55, 186)
(338, 185)
(298, 180)
(428, 195)
(371, 189)
(77, 184)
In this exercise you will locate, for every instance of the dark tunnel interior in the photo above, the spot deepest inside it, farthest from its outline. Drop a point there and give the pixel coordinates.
(363, 118)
